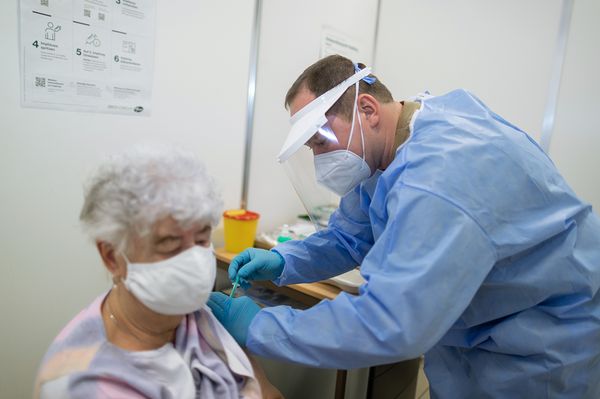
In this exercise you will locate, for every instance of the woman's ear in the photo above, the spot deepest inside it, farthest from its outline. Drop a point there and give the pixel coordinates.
(368, 105)
(116, 267)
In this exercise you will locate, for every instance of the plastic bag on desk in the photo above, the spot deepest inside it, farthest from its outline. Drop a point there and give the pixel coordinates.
(296, 231)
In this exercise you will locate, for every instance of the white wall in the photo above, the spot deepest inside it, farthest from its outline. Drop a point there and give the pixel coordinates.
(49, 271)
(504, 52)
(289, 42)
(500, 50)
(576, 138)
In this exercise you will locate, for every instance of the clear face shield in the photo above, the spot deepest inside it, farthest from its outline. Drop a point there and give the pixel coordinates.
(310, 126)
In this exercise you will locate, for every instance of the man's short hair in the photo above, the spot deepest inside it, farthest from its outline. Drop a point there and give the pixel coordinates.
(327, 73)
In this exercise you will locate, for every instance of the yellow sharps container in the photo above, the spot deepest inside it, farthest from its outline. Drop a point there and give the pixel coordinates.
(240, 228)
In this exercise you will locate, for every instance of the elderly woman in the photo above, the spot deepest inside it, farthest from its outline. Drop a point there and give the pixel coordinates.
(150, 214)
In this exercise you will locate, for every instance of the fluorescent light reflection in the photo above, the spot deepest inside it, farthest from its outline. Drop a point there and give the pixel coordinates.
(326, 132)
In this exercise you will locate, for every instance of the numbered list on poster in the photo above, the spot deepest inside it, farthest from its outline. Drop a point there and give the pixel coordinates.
(88, 55)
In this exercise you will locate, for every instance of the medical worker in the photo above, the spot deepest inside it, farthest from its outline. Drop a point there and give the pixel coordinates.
(475, 251)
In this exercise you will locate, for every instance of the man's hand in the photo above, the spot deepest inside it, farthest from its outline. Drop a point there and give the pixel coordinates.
(235, 314)
(255, 264)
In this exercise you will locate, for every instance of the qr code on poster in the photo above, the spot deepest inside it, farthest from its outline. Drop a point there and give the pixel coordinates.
(87, 12)
(44, 3)
(40, 82)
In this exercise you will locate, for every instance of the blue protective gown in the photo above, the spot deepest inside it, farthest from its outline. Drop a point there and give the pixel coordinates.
(476, 253)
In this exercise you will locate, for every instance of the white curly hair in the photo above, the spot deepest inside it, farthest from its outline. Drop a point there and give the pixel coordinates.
(131, 191)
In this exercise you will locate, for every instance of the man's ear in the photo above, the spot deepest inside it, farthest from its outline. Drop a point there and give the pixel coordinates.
(368, 105)
(112, 261)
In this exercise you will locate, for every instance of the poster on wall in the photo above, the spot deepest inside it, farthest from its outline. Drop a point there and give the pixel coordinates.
(334, 41)
(88, 55)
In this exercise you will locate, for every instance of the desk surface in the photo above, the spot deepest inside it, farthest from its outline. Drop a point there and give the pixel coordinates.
(315, 290)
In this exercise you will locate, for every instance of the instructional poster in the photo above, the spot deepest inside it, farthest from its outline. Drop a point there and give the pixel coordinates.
(88, 55)
(336, 42)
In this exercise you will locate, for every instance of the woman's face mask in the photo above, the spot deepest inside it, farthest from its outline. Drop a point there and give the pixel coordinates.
(175, 286)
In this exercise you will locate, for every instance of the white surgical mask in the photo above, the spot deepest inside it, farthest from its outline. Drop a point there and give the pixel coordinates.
(342, 170)
(175, 286)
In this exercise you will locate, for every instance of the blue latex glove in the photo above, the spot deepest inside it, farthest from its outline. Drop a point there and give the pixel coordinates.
(255, 264)
(235, 314)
